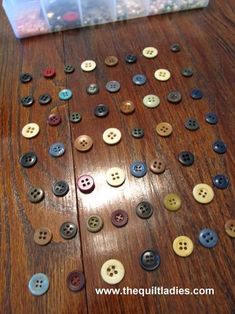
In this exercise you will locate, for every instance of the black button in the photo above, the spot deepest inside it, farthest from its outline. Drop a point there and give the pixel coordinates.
(35, 195)
(219, 147)
(211, 118)
(191, 124)
(28, 160)
(187, 72)
(144, 210)
(60, 188)
(27, 101)
(44, 99)
(150, 260)
(196, 93)
(68, 230)
(137, 132)
(186, 158)
(26, 77)
(75, 117)
(131, 58)
(101, 111)
(69, 68)
(92, 89)
(175, 47)
(174, 97)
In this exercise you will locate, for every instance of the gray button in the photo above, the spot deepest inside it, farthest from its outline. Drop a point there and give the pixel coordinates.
(28, 159)
(191, 124)
(174, 97)
(60, 188)
(139, 79)
(144, 210)
(75, 117)
(69, 69)
(68, 230)
(92, 89)
(187, 72)
(35, 195)
(113, 86)
(57, 150)
(137, 132)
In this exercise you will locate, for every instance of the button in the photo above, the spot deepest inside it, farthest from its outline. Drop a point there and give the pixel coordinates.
(115, 176)
(174, 97)
(137, 133)
(172, 202)
(42, 236)
(92, 89)
(211, 118)
(65, 94)
(28, 160)
(230, 228)
(150, 52)
(26, 77)
(68, 230)
(101, 111)
(75, 117)
(187, 72)
(30, 130)
(113, 86)
(164, 129)
(119, 218)
(112, 271)
(69, 69)
(111, 61)
(83, 143)
(208, 238)
(112, 136)
(131, 58)
(196, 93)
(88, 65)
(71, 17)
(49, 72)
(191, 124)
(175, 47)
(162, 75)
(157, 166)
(127, 107)
(38, 284)
(27, 101)
(60, 188)
(150, 260)
(57, 150)
(138, 169)
(220, 181)
(151, 101)
(35, 195)
(203, 193)
(44, 99)
(186, 158)
(144, 210)
(54, 119)
(94, 223)
(75, 281)
(219, 147)
(139, 79)
(183, 246)
(85, 183)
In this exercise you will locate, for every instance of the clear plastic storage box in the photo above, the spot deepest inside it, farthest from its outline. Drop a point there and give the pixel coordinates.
(34, 17)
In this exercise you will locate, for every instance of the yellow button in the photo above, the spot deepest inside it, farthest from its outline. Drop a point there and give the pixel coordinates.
(203, 193)
(172, 202)
(164, 129)
(115, 176)
(88, 65)
(112, 136)
(162, 75)
(151, 101)
(112, 271)
(30, 130)
(183, 246)
(150, 52)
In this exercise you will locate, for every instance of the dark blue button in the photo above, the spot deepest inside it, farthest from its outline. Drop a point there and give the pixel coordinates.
(196, 93)
(139, 79)
(219, 147)
(101, 111)
(38, 284)
(208, 238)
(150, 260)
(138, 169)
(57, 149)
(131, 58)
(28, 160)
(44, 99)
(27, 101)
(60, 188)
(220, 181)
(211, 118)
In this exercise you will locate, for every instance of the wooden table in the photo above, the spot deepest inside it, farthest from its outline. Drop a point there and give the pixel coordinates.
(207, 45)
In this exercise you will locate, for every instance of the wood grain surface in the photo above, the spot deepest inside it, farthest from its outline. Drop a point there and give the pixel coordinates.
(207, 45)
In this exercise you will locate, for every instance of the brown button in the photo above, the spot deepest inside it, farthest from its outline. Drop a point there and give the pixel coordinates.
(111, 61)
(127, 107)
(83, 143)
(164, 129)
(157, 166)
(42, 236)
(230, 228)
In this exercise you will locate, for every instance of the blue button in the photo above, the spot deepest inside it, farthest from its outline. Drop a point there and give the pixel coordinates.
(220, 181)
(138, 169)
(150, 260)
(65, 94)
(57, 149)
(131, 58)
(139, 79)
(38, 284)
(219, 147)
(208, 238)
(196, 93)
(211, 118)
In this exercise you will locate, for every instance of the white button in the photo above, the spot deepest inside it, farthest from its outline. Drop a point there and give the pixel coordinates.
(30, 130)
(150, 52)
(151, 101)
(88, 65)
(115, 176)
(112, 271)
(112, 136)
(162, 75)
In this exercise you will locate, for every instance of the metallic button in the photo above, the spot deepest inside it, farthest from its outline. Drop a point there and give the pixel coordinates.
(101, 111)
(187, 72)
(113, 86)
(127, 107)
(175, 47)
(150, 52)
(208, 238)
(28, 160)
(164, 129)
(119, 218)
(65, 94)
(162, 75)
(57, 150)
(138, 169)
(115, 176)
(30, 130)
(112, 136)
(75, 281)
(211, 118)
(220, 181)
(230, 228)
(172, 202)
(144, 210)
(150, 260)
(69, 69)
(191, 124)
(183, 246)
(85, 183)
(49, 72)
(186, 158)
(92, 89)
(83, 143)
(60, 188)
(44, 99)
(27, 101)
(131, 58)
(151, 101)
(42, 236)
(35, 195)
(94, 223)
(220, 147)
(112, 271)
(111, 61)
(196, 94)
(174, 97)
(203, 193)
(137, 133)
(26, 77)
(75, 117)
(88, 65)
(38, 284)
(157, 166)
(54, 119)
(68, 230)
(139, 79)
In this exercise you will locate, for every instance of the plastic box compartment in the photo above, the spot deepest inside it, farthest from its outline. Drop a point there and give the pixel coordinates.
(129, 9)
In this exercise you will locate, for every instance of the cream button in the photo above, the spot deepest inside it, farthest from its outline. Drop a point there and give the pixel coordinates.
(112, 136)
(162, 75)
(112, 271)
(183, 246)
(115, 176)
(150, 52)
(164, 129)
(203, 193)
(88, 65)
(30, 130)
(151, 101)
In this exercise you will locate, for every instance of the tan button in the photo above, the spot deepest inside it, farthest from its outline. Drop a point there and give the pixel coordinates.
(230, 228)
(115, 176)
(162, 75)
(30, 130)
(151, 101)
(112, 136)
(150, 52)
(203, 193)
(88, 65)
(112, 271)
(157, 166)
(127, 107)
(83, 143)
(94, 223)
(42, 236)
(111, 61)
(183, 246)
(164, 129)
(172, 202)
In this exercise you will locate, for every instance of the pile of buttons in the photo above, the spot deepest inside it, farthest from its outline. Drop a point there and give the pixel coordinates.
(113, 271)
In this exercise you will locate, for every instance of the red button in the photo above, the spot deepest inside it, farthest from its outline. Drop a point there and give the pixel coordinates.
(86, 183)
(71, 16)
(54, 119)
(49, 72)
